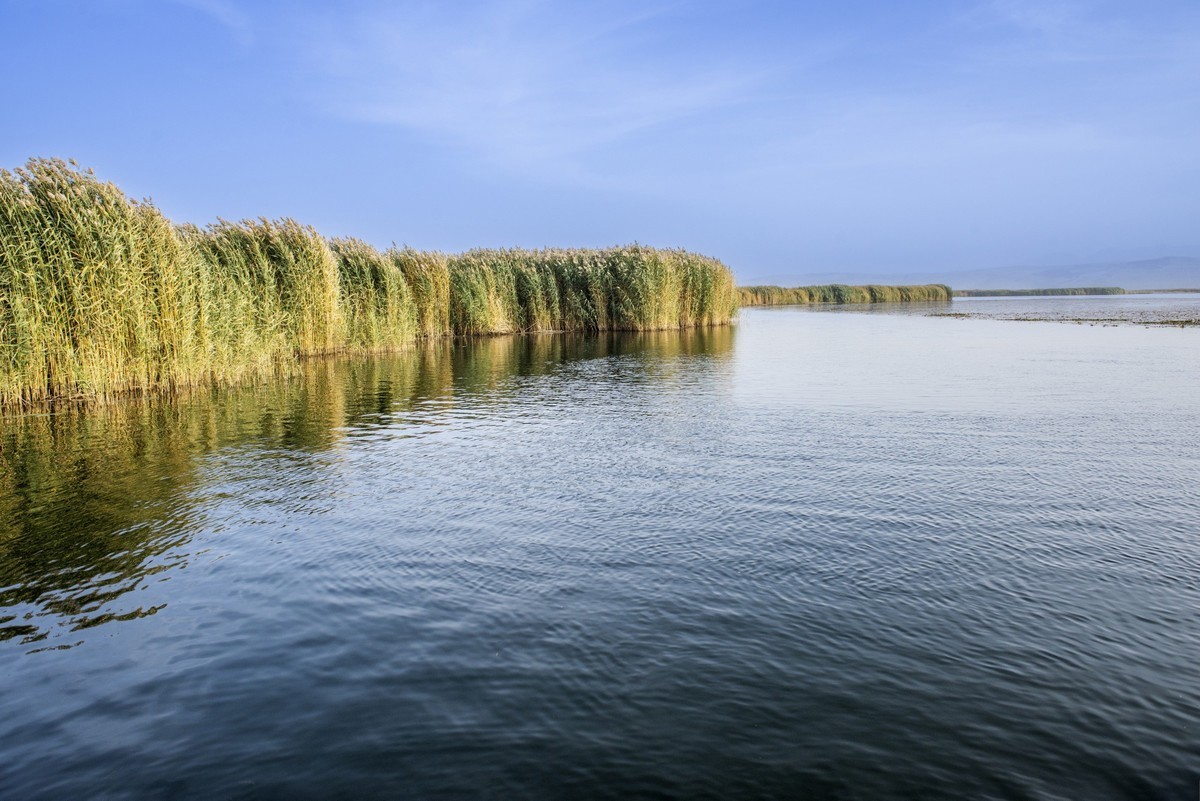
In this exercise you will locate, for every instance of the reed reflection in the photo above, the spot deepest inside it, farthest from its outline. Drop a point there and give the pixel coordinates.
(99, 504)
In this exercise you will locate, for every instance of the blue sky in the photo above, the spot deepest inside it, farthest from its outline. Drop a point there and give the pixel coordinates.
(783, 138)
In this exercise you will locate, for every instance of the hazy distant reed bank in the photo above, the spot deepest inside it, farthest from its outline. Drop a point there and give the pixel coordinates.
(1006, 293)
(840, 293)
(102, 295)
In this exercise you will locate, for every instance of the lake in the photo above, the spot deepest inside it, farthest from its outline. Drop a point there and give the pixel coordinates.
(814, 555)
(1153, 309)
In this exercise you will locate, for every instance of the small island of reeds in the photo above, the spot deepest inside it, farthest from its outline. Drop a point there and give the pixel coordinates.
(841, 293)
(102, 295)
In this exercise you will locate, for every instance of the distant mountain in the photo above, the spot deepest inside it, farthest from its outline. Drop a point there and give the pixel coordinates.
(1172, 272)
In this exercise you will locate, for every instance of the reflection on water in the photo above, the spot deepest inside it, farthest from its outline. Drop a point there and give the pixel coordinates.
(823, 555)
(99, 506)
(81, 508)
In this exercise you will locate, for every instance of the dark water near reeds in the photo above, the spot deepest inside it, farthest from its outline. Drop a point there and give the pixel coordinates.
(818, 555)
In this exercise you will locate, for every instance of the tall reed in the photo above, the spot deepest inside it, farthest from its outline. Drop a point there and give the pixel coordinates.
(428, 278)
(97, 293)
(841, 293)
(100, 294)
(632, 288)
(377, 306)
(272, 286)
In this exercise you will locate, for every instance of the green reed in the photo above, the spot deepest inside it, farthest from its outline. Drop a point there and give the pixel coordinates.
(841, 293)
(631, 288)
(102, 295)
(428, 279)
(273, 288)
(378, 309)
(98, 294)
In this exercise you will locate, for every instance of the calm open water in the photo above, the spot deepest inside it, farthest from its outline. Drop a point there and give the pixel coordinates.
(815, 555)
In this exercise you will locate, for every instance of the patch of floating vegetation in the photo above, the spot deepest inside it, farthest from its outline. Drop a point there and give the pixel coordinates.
(101, 295)
(841, 293)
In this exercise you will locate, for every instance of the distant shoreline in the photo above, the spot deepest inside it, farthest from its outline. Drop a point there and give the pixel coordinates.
(1005, 293)
(841, 294)
(1101, 290)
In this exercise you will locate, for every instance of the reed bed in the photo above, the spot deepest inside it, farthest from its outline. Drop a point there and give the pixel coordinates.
(632, 288)
(841, 293)
(378, 309)
(271, 291)
(98, 294)
(428, 279)
(101, 295)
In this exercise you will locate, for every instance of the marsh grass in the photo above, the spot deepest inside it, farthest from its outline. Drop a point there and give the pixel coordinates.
(98, 295)
(101, 295)
(428, 279)
(841, 293)
(377, 306)
(631, 288)
(272, 289)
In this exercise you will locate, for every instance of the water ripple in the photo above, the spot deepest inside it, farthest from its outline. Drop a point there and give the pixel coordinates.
(824, 556)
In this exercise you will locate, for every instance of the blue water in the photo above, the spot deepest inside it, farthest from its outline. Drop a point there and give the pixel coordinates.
(814, 555)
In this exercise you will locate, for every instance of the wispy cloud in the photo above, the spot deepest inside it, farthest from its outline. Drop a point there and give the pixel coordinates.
(1065, 31)
(1043, 17)
(998, 117)
(226, 14)
(522, 83)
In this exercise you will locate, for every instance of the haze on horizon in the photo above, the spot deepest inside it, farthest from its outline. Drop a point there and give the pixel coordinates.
(783, 138)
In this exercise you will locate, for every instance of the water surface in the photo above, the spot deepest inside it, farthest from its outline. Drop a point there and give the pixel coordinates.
(814, 555)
